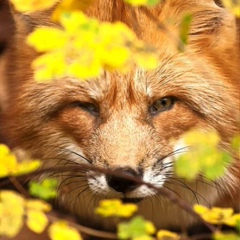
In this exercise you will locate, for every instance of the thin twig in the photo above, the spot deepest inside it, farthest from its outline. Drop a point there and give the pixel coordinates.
(162, 191)
(19, 187)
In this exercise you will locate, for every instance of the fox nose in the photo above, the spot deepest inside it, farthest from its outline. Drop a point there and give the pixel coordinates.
(121, 184)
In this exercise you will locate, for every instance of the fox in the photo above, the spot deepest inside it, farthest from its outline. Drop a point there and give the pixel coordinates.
(131, 123)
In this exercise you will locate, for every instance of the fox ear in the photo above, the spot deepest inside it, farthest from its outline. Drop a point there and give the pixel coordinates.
(213, 25)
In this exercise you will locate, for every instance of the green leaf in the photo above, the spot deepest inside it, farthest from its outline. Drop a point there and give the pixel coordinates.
(238, 226)
(236, 143)
(184, 29)
(219, 162)
(186, 166)
(204, 156)
(46, 189)
(149, 3)
(227, 236)
(152, 2)
(137, 228)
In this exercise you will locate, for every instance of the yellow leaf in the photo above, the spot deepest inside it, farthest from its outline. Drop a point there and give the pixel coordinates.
(49, 66)
(85, 67)
(197, 136)
(36, 220)
(217, 215)
(121, 61)
(26, 167)
(32, 5)
(44, 39)
(146, 60)
(200, 209)
(233, 6)
(203, 156)
(73, 22)
(167, 235)
(225, 236)
(38, 205)
(233, 220)
(10, 166)
(142, 2)
(11, 213)
(70, 6)
(8, 161)
(62, 231)
(84, 47)
(145, 237)
(114, 207)
(150, 228)
(4, 151)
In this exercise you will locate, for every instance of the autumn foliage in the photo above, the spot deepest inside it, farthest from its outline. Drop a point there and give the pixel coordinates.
(83, 49)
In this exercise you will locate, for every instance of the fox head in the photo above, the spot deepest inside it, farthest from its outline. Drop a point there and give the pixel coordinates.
(131, 123)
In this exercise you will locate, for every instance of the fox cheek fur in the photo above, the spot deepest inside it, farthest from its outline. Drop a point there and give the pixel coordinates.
(131, 123)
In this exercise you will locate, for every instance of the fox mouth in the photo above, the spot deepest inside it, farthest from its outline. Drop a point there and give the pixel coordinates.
(132, 200)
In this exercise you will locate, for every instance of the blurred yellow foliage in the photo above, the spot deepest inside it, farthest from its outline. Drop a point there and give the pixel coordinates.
(66, 5)
(136, 229)
(13, 209)
(167, 235)
(69, 6)
(11, 213)
(36, 221)
(82, 49)
(11, 167)
(233, 6)
(225, 236)
(142, 2)
(203, 155)
(114, 207)
(217, 215)
(32, 5)
(60, 230)
(85, 47)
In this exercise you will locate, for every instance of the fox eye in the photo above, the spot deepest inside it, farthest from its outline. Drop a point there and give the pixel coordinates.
(162, 104)
(89, 107)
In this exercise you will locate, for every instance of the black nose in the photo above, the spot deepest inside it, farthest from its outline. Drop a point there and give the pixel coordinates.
(121, 184)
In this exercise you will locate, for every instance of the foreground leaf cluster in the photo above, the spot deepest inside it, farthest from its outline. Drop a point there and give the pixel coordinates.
(137, 228)
(84, 46)
(218, 216)
(114, 207)
(14, 209)
(202, 156)
(10, 166)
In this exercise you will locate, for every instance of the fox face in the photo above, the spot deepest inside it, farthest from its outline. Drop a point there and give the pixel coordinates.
(132, 123)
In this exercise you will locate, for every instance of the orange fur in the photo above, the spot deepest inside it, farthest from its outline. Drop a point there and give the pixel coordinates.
(117, 130)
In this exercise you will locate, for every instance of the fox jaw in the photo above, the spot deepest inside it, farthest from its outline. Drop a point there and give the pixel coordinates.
(132, 123)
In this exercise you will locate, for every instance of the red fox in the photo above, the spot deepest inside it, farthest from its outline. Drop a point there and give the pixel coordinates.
(126, 122)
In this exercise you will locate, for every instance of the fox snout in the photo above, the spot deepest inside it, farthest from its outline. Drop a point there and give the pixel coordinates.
(133, 151)
(121, 184)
